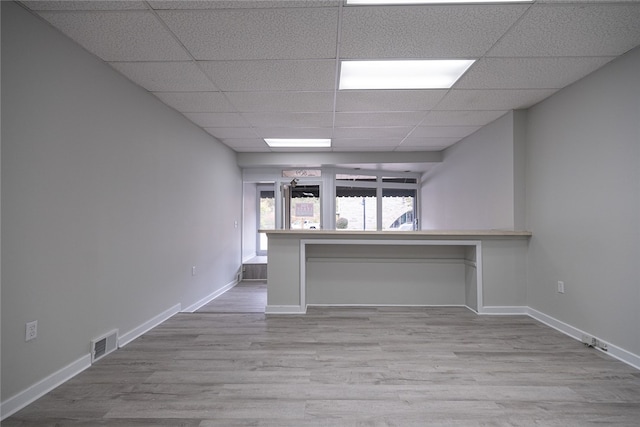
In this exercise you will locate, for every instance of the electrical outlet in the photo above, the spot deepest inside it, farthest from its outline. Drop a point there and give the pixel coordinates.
(560, 287)
(193, 270)
(31, 330)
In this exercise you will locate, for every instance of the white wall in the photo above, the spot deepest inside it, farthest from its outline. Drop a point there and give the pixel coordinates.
(583, 203)
(249, 220)
(108, 198)
(475, 186)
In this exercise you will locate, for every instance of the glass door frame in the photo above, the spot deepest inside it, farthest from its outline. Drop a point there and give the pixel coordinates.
(259, 189)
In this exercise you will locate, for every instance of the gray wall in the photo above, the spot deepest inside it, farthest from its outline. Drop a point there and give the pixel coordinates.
(583, 203)
(475, 186)
(569, 170)
(108, 198)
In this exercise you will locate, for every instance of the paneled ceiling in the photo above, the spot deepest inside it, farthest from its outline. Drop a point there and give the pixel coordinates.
(247, 70)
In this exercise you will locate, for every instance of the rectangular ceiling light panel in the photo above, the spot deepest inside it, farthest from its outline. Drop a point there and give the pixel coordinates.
(404, 74)
(297, 143)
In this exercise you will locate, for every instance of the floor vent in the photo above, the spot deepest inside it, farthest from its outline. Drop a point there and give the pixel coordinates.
(104, 345)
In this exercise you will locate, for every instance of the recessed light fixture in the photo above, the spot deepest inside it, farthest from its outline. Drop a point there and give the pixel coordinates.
(368, 2)
(403, 74)
(297, 143)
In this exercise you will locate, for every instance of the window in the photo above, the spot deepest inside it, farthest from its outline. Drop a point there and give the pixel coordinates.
(356, 208)
(367, 201)
(398, 207)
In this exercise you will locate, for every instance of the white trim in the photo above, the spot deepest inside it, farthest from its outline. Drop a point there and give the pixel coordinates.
(147, 326)
(284, 309)
(479, 273)
(391, 260)
(505, 310)
(575, 333)
(204, 301)
(303, 274)
(366, 305)
(39, 389)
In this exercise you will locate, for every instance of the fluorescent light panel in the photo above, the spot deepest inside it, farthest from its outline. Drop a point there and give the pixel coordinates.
(297, 143)
(369, 2)
(404, 74)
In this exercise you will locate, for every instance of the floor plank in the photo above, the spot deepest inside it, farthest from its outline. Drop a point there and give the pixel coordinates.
(245, 297)
(231, 365)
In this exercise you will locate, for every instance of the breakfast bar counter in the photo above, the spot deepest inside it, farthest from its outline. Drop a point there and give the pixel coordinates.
(483, 270)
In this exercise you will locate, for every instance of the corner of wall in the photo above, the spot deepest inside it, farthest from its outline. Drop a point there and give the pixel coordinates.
(519, 169)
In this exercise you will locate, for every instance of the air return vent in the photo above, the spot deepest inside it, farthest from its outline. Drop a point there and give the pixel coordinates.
(104, 345)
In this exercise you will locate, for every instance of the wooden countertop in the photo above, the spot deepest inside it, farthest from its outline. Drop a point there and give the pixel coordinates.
(400, 234)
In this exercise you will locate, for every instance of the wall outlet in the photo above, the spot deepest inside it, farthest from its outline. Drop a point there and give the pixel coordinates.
(193, 270)
(560, 287)
(31, 331)
(588, 340)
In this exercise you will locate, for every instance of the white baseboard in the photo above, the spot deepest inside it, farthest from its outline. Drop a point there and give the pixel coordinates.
(204, 301)
(147, 326)
(612, 350)
(387, 305)
(285, 309)
(39, 389)
(504, 310)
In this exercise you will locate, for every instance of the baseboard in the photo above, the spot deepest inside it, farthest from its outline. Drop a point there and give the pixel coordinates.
(206, 300)
(387, 305)
(39, 389)
(612, 350)
(147, 326)
(285, 309)
(504, 310)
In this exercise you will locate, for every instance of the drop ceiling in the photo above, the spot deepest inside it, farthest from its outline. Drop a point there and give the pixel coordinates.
(248, 70)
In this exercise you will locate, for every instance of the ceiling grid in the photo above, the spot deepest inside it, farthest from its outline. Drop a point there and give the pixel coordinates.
(245, 70)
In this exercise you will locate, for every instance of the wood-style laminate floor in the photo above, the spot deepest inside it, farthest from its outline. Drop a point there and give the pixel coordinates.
(345, 367)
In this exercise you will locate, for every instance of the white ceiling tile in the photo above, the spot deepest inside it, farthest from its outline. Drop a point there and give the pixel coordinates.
(504, 99)
(223, 133)
(443, 131)
(365, 143)
(376, 132)
(573, 30)
(250, 149)
(239, 4)
(294, 33)
(282, 101)
(294, 120)
(462, 118)
(196, 102)
(212, 120)
(413, 144)
(433, 31)
(269, 75)
(85, 5)
(166, 76)
(271, 132)
(364, 148)
(246, 144)
(388, 100)
(119, 36)
(528, 73)
(375, 119)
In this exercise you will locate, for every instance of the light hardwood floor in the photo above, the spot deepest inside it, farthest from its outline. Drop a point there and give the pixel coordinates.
(345, 367)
